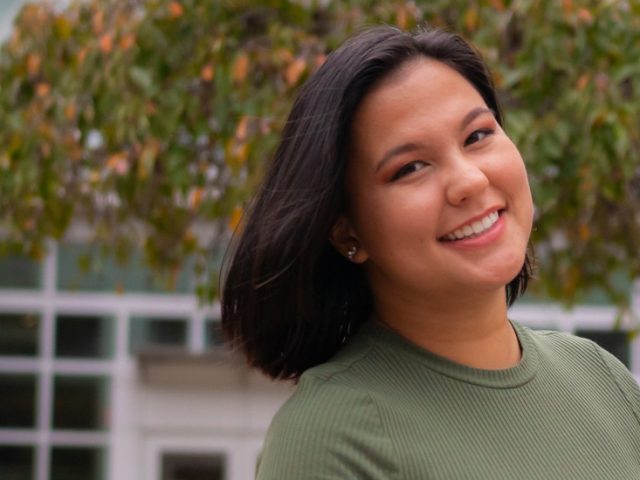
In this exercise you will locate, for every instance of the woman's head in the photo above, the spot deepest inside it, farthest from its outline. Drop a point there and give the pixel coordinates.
(438, 201)
(290, 299)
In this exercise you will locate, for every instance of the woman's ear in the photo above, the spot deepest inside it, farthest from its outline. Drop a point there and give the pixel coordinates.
(345, 241)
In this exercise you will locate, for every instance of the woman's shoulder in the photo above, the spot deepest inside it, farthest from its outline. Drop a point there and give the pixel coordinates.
(332, 390)
(568, 349)
(573, 353)
(330, 425)
(558, 342)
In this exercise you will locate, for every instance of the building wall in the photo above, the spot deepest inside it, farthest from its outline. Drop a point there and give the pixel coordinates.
(105, 384)
(99, 397)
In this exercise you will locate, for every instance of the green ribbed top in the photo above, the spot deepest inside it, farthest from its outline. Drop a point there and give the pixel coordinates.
(385, 408)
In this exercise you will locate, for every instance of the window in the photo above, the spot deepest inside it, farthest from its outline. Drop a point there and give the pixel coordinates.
(84, 336)
(80, 403)
(16, 463)
(19, 272)
(157, 333)
(77, 463)
(192, 466)
(83, 267)
(20, 334)
(614, 341)
(17, 400)
(213, 334)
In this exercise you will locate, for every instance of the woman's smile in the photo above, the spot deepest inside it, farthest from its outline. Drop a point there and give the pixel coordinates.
(475, 227)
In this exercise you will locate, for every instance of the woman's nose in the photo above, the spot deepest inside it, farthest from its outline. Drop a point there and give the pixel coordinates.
(466, 180)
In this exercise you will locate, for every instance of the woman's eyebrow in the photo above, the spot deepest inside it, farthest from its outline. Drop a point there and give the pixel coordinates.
(473, 114)
(400, 149)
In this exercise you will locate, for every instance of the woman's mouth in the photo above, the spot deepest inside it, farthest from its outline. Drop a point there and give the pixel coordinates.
(473, 229)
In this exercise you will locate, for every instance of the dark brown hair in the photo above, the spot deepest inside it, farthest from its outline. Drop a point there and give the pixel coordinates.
(289, 300)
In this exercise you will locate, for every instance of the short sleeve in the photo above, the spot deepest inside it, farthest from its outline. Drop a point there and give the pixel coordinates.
(326, 432)
(625, 380)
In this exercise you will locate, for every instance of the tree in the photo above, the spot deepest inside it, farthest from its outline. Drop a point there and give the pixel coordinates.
(150, 119)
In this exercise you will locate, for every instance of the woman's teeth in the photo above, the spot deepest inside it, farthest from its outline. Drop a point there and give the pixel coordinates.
(474, 229)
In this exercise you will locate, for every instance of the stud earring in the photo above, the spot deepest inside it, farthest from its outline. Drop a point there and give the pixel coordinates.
(352, 252)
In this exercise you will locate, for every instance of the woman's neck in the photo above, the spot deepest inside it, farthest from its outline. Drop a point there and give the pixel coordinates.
(470, 331)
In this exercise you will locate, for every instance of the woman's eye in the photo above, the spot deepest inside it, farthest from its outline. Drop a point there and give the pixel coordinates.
(408, 168)
(477, 135)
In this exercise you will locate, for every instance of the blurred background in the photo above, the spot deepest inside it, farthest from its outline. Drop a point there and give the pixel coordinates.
(132, 134)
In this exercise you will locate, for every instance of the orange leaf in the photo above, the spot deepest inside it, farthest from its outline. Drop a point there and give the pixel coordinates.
(284, 55)
(582, 81)
(471, 19)
(70, 111)
(29, 224)
(98, 21)
(5, 161)
(147, 159)
(498, 78)
(82, 53)
(195, 197)
(602, 81)
(241, 129)
(294, 71)
(45, 149)
(235, 218)
(207, 73)
(43, 89)
(498, 5)
(118, 163)
(106, 43)
(265, 126)
(567, 6)
(584, 232)
(585, 16)
(175, 9)
(240, 68)
(127, 41)
(33, 63)
(401, 17)
(240, 152)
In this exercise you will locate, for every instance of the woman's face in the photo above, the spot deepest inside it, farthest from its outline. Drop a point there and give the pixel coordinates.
(439, 202)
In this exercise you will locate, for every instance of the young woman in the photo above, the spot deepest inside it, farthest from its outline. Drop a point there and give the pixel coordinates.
(376, 267)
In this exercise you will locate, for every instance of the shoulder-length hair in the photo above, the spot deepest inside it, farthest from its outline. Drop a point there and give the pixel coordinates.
(289, 299)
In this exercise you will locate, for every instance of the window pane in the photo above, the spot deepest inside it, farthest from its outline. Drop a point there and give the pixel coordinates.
(19, 334)
(157, 333)
(83, 267)
(616, 342)
(77, 463)
(16, 463)
(80, 403)
(213, 334)
(19, 272)
(17, 400)
(194, 466)
(84, 336)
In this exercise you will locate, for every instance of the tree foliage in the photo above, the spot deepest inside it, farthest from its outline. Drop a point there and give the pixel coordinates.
(151, 120)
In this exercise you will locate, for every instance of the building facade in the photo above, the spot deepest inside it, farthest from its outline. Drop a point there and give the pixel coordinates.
(105, 377)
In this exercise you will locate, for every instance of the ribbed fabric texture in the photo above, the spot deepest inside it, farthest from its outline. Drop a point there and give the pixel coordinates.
(387, 409)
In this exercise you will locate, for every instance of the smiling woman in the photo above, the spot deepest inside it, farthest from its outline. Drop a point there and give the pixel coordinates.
(409, 207)
(376, 267)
